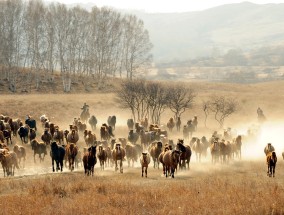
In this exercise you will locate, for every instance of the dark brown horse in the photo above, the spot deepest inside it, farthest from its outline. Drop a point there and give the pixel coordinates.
(57, 154)
(185, 154)
(170, 161)
(155, 150)
(90, 160)
(271, 160)
(102, 155)
(131, 154)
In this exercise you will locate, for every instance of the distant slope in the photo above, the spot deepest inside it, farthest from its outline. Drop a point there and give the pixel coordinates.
(180, 36)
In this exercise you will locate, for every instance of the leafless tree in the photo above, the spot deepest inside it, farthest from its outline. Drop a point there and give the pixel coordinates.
(180, 99)
(221, 107)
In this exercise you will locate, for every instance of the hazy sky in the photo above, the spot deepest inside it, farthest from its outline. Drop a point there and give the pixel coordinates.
(164, 5)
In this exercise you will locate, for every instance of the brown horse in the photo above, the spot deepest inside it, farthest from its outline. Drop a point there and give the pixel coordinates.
(90, 160)
(171, 160)
(102, 155)
(171, 124)
(118, 154)
(71, 152)
(73, 137)
(185, 154)
(21, 153)
(271, 160)
(9, 162)
(39, 148)
(131, 154)
(144, 161)
(238, 146)
(155, 150)
(197, 147)
(46, 137)
(58, 135)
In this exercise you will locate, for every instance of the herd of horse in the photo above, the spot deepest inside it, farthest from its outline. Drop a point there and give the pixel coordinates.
(145, 143)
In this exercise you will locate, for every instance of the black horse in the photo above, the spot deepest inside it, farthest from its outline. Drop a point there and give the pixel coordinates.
(90, 160)
(271, 159)
(23, 132)
(57, 154)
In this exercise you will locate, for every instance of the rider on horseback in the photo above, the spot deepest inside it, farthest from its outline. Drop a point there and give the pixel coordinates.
(85, 107)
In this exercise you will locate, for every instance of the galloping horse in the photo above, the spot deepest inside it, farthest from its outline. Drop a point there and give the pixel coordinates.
(271, 160)
(90, 160)
(57, 154)
(85, 115)
(118, 153)
(71, 153)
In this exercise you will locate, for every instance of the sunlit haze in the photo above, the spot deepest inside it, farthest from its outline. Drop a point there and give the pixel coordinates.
(164, 6)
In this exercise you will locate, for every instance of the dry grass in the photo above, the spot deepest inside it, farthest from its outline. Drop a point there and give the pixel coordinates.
(240, 187)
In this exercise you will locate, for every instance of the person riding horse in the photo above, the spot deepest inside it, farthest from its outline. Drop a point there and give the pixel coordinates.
(85, 107)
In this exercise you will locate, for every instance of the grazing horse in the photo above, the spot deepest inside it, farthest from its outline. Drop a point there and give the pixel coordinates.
(118, 153)
(85, 115)
(23, 132)
(271, 160)
(111, 121)
(90, 160)
(39, 148)
(93, 122)
(144, 161)
(102, 155)
(185, 154)
(131, 153)
(155, 151)
(71, 152)
(57, 154)
(171, 160)
(21, 153)
(130, 124)
(9, 162)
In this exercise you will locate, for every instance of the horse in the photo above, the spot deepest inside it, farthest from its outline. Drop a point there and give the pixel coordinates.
(171, 124)
(104, 132)
(198, 148)
(59, 135)
(15, 125)
(85, 115)
(73, 137)
(32, 134)
(112, 121)
(90, 160)
(46, 137)
(133, 136)
(215, 151)
(130, 124)
(39, 148)
(21, 153)
(155, 150)
(118, 153)
(9, 162)
(178, 124)
(71, 151)
(271, 160)
(131, 154)
(238, 144)
(93, 122)
(102, 155)
(185, 154)
(8, 136)
(194, 123)
(23, 132)
(171, 160)
(57, 154)
(147, 137)
(144, 161)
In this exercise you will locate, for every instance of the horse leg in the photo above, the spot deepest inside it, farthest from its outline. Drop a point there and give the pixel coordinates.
(52, 162)
(142, 170)
(146, 171)
(61, 165)
(121, 167)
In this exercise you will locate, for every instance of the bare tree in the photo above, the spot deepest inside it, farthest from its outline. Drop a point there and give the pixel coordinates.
(180, 99)
(221, 107)
(137, 45)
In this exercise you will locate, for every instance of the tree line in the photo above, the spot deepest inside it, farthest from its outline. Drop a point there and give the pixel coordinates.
(51, 38)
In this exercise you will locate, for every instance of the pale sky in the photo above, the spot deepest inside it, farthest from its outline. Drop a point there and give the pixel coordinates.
(164, 6)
